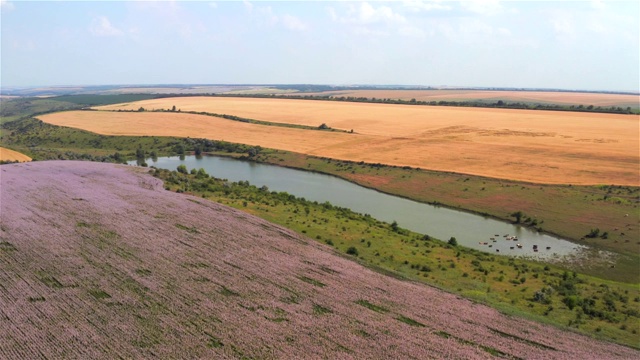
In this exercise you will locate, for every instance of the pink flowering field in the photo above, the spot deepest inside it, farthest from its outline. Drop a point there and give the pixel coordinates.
(98, 261)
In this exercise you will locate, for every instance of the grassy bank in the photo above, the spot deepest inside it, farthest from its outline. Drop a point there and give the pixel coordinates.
(538, 291)
(572, 212)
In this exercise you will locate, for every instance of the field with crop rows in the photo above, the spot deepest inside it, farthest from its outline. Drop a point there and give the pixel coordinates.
(530, 97)
(108, 264)
(525, 145)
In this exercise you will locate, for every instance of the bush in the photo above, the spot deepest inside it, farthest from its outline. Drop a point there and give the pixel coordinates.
(352, 251)
(594, 233)
(182, 169)
(453, 241)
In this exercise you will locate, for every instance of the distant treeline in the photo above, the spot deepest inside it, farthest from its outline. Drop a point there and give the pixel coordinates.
(470, 103)
(94, 100)
(67, 102)
(323, 88)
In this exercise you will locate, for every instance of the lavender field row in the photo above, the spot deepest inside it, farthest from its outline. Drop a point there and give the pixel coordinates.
(99, 261)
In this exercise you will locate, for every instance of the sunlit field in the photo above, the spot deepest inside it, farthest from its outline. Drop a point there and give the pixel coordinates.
(525, 145)
(10, 155)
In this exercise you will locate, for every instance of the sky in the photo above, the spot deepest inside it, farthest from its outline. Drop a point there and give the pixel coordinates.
(573, 45)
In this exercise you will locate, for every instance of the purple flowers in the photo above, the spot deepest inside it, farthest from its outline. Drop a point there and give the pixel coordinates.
(99, 261)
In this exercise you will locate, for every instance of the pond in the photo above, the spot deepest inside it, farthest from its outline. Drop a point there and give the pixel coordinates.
(471, 230)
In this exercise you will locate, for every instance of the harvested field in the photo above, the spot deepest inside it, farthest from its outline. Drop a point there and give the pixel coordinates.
(542, 97)
(10, 155)
(98, 261)
(536, 146)
(196, 126)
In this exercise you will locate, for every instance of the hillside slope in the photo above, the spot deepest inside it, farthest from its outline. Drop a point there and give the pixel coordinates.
(99, 261)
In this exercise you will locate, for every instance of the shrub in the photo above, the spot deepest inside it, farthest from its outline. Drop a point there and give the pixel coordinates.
(182, 169)
(594, 233)
(352, 251)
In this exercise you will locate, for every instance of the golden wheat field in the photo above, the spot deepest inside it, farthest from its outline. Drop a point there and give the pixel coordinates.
(544, 97)
(10, 155)
(535, 146)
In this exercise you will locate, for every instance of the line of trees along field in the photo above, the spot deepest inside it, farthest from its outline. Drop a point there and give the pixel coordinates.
(500, 104)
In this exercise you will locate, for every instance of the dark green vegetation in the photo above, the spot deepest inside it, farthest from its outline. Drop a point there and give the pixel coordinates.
(95, 100)
(14, 109)
(43, 141)
(19, 108)
(539, 291)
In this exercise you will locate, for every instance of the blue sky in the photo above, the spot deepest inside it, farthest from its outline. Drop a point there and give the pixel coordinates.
(587, 45)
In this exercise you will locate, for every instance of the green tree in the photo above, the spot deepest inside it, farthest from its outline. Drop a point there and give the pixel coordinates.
(452, 241)
(201, 174)
(518, 215)
(140, 154)
(254, 151)
(182, 169)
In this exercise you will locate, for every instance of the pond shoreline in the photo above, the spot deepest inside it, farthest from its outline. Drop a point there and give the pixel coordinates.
(434, 203)
(477, 231)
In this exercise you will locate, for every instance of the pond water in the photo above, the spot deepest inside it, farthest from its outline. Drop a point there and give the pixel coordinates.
(470, 230)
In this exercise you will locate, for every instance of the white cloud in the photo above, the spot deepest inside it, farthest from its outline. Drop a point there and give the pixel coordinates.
(562, 24)
(101, 26)
(365, 14)
(597, 4)
(484, 7)
(420, 5)
(332, 13)
(6, 5)
(370, 20)
(248, 5)
(471, 31)
(265, 15)
(293, 23)
(213, 5)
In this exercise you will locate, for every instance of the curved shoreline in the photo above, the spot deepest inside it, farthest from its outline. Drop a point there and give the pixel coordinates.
(434, 203)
